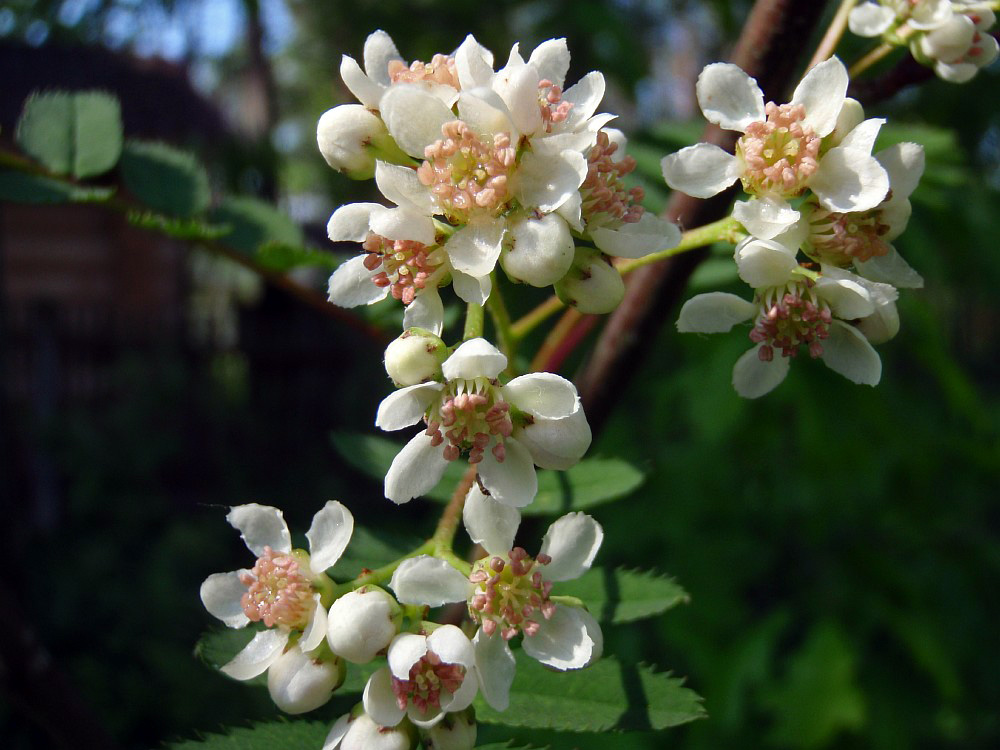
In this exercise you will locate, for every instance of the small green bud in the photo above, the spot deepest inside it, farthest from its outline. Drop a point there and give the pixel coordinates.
(592, 285)
(415, 357)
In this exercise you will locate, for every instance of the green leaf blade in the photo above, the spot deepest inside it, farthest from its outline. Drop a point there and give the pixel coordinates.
(45, 130)
(97, 133)
(622, 596)
(165, 179)
(254, 223)
(265, 736)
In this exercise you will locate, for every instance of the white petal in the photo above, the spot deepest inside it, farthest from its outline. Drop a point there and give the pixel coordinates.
(849, 179)
(572, 542)
(542, 394)
(406, 406)
(956, 72)
(415, 470)
(351, 284)
(315, 631)
(863, 135)
(881, 325)
(463, 697)
(405, 650)
(753, 377)
(452, 645)
(426, 311)
(538, 251)
(701, 170)
(414, 117)
(714, 312)
(764, 263)
(869, 19)
(891, 269)
(486, 113)
(729, 97)
(337, 732)
(473, 63)
(847, 299)
(328, 536)
(556, 443)
(260, 526)
(904, 163)
(403, 224)
(551, 60)
(637, 239)
(259, 654)
(472, 359)
(221, 593)
(847, 352)
(584, 95)
(378, 53)
(352, 222)
(546, 181)
(429, 581)
(367, 91)
(931, 13)
(514, 481)
(380, 701)
(765, 217)
(474, 248)
(472, 289)
(822, 91)
(489, 523)
(402, 186)
(562, 642)
(851, 115)
(519, 90)
(496, 667)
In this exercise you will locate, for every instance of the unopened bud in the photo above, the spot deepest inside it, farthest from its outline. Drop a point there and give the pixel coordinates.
(299, 682)
(538, 251)
(948, 42)
(345, 135)
(592, 285)
(362, 623)
(357, 731)
(415, 357)
(455, 731)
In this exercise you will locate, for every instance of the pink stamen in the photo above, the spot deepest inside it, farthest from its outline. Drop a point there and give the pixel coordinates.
(278, 593)
(779, 154)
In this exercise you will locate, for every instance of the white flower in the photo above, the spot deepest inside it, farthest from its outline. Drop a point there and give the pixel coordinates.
(960, 47)
(357, 731)
(362, 623)
(792, 307)
(299, 682)
(780, 153)
(427, 676)
(282, 589)
(506, 430)
(875, 18)
(508, 593)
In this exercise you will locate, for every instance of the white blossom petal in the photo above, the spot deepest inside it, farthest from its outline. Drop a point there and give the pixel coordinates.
(379, 699)
(546, 181)
(367, 91)
(572, 542)
(849, 179)
(258, 655)
(564, 641)
(863, 135)
(714, 312)
(514, 481)
(351, 284)
(904, 162)
(847, 298)
(452, 645)
(496, 667)
(701, 170)
(260, 526)
(406, 406)
(405, 650)
(753, 377)
(472, 359)
(474, 248)
(352, 222)
(403, 224)
(518, 89)
(221, 593)
(402, 186)
(765, 217)
(489, 523)
(637, 239)
(474, 64)
(337, 732)
(822, 91)
(551, 60)
(542, 394)
(847, 352)
(463, 697)
(882, 324)
(556, 443)
(429, 581)
(328, 535)
(472, 289)
(426, 311)
(379, 51)
(315, 631)
(870, 19)
(729, 97)
(584, 95)
(763, 263)
(415, 470)
(931, 13)
(486, 113)
(891, 269)
(414, 117)
(538, 251)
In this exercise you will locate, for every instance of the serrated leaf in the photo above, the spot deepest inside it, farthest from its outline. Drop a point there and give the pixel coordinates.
(591, 482)
(72, 133)
(166, 179)
(607, 695)
(18, 187)
(283, 735)
(282, 257)
(254, 223)
(620, 596)
(182, 229)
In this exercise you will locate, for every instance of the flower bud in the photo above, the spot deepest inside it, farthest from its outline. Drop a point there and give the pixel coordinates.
(950, 41)
(362, 623)
(345, 134)
(300, 682)
(357, 731)
(455, 731)
(538, 251)
(592, 285)
(414, 357)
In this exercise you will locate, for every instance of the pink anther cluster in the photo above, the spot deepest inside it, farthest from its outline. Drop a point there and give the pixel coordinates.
(841, 238)
(467, 174)
(604, 190)
(554, 109)
(427, 678)
(790, 318)
(278, 593)
(472, 414)
(441, 69)
(780, 154)
(510, 594)
(406, 265)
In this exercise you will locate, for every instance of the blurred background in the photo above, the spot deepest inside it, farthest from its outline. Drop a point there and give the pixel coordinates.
(841, 544)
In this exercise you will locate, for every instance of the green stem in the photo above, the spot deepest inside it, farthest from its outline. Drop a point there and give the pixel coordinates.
(833, 34)
(445, 533)
(533, 319)
(380, 575)
(501, 319)
(474, 320)
(870, 59)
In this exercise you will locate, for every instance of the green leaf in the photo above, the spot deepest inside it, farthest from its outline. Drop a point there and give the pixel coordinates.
(18, 187)
(591, 482)
(606, 695)
(254, 223)
(168, 180)
(622, 596)
(182, 229)
(281, 257)
(72, 133)
(278, 735)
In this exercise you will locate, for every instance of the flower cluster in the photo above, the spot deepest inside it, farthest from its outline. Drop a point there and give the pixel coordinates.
(951, 36)
(814, 188)
(482, 167)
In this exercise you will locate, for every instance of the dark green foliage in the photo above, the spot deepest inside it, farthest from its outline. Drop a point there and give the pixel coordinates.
(168, 180)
